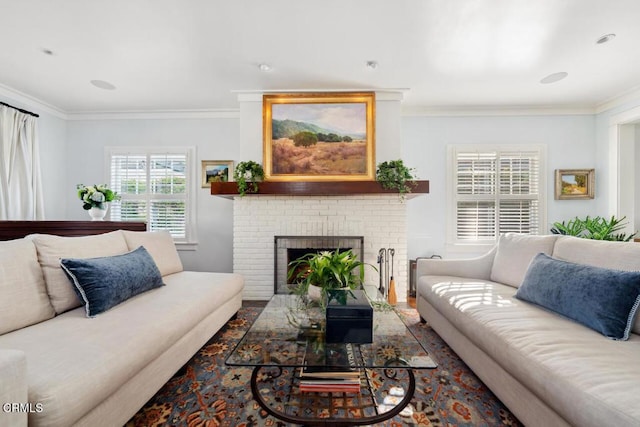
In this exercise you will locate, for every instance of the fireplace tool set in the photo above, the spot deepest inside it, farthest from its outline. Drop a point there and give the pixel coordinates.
(387, 286)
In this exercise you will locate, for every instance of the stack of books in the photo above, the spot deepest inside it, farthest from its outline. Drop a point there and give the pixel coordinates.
(330, 370)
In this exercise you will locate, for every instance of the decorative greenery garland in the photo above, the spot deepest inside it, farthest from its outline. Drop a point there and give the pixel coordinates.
(393, 174)
(246, 172)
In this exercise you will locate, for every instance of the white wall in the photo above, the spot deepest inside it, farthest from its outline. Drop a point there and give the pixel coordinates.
(606, 152)
(72, 152)
(214, 139)
(570, 142)
(636, 226)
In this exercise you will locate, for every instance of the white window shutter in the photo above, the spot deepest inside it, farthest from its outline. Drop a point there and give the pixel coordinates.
(154, 187)
(496, 191)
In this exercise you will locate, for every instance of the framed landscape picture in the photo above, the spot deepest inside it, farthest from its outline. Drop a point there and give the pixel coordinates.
(319, 136)
(216, 171)
(574, 184)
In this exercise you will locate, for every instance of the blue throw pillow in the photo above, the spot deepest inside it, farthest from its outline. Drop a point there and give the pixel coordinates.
(105, 282)
(603, 299)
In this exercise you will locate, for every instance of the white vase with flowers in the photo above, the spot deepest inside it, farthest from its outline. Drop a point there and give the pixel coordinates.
(95, 199)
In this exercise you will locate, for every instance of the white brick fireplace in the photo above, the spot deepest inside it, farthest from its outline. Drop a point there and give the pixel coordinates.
(380, 219)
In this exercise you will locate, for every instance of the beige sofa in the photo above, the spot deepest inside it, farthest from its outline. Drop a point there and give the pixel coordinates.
(60, 368)
(547, 369)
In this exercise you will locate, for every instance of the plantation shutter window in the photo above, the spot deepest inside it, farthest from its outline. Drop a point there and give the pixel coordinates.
(154, 187)
(495, 191)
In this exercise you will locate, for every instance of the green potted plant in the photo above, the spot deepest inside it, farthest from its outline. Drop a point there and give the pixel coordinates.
(247, 173)
(596, 228)
(394, 175)
(316, 273)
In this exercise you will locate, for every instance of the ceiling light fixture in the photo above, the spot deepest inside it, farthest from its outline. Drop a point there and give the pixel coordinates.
(606, 38)
(555, 77)
(102, 84)
(264, 67)
(372, 65)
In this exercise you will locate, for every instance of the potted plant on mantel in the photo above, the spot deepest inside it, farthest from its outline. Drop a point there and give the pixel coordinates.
(246, 173)
(318, 272)
(394, 175)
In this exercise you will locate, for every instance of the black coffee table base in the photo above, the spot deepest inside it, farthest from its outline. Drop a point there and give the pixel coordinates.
(367, 396)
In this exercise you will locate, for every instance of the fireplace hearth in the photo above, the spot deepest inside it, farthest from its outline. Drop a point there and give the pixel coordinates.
(290, 248)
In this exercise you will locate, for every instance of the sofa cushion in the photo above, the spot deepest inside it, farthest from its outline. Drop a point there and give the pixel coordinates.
(53, 248)
(76, 363)
(603, 299)
(23, 294)
(515, 252)
(105, 282)
(161, 247)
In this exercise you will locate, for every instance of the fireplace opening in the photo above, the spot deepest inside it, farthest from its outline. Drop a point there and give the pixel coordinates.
(291, 248)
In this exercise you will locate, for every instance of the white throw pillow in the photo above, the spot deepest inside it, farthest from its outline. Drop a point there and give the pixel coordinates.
(23, 294)
(160, 246)
(514, 254)
(53, 248)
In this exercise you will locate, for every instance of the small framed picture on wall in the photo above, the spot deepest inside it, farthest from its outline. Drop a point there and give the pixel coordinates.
(575, 184)
(216, 171)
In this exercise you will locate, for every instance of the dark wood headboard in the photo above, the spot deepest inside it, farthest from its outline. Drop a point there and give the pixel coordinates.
(18, 229)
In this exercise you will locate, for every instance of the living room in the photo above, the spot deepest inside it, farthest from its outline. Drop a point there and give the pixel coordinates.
(192, 77)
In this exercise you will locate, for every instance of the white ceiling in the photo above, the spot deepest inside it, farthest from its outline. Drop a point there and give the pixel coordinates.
(196, 54)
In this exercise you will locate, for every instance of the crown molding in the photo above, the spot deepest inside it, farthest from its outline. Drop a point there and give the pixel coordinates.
(156, 115)
(617, 101)
(382, 94)
(31, 103)
(388, 94)
(516, 110)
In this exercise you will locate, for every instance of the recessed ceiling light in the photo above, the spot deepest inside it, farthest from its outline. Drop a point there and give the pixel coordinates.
(264, 67)
(606, 38)
(372, 65)
(102, 84)
(555, 77)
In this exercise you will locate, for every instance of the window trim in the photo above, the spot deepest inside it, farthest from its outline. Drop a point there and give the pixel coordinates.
(451, 243)
(190, 241)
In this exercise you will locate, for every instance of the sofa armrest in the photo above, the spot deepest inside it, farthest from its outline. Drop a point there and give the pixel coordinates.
(475, 268)
(13, 387)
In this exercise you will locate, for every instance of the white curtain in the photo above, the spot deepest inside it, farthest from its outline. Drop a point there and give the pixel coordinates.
(21, 196)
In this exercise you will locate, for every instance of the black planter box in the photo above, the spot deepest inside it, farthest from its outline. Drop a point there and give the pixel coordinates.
(349, 317)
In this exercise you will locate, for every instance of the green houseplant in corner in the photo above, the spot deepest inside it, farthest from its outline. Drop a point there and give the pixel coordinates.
(247, 175)
(394, 175)
(596, 228)
(326, 270)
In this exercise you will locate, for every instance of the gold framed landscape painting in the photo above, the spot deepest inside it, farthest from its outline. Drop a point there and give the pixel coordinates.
(574, 184)
(319, 136)
(216, 171)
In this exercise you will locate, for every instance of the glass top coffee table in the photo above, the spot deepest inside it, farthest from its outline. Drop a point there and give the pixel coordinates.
(285, 346)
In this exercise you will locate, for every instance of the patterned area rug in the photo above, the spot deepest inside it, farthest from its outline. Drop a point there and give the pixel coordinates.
(208, 393)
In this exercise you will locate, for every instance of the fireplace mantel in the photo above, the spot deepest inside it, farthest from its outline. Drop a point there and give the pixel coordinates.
(308, 188)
